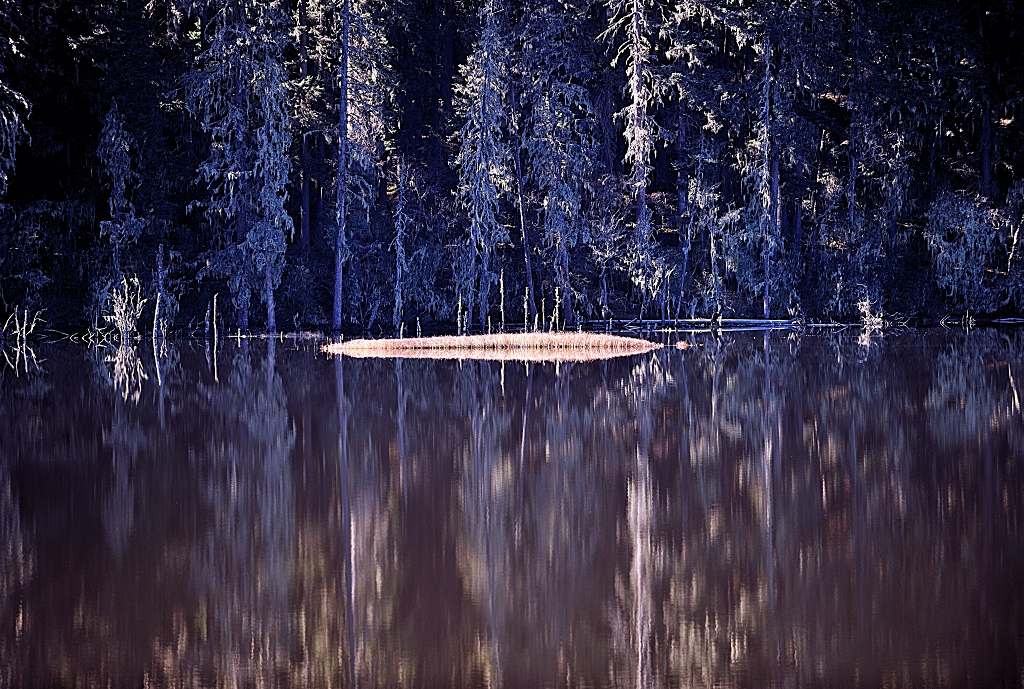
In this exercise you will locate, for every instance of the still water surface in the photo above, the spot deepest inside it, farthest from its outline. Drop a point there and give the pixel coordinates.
(756, 511)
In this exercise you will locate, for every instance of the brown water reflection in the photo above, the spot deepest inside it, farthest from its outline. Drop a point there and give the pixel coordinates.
(760, 510)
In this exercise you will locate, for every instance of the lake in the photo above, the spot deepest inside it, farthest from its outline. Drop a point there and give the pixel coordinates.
(829, 509)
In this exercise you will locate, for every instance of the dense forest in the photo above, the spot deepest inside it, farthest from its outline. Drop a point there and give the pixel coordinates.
(377, 164)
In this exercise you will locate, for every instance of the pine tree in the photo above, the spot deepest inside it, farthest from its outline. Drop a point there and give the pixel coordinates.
(560, 130)
(238, 95)
(265, 244)
(483, 157)
(762, 177)
(698, 82)
(341, 249)
(365, 124)
(14, 109)
(402, 221)
(115, 152)
(634, 20)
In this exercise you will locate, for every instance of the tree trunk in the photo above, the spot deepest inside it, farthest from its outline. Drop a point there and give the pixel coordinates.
(774, 208)
(304, 197)
(563, 284)
(682, 192)
(526, 241)
(798, 226)
(605, 312)
(304, 156)
(771, 223)
(341, 241)
(485, 285)
(268, 298)
(399, 248)
(986, 149)
(243, 318)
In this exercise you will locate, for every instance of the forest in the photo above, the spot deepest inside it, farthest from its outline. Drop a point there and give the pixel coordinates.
(379, 165)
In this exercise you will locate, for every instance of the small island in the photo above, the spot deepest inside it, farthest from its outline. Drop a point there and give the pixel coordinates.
(533, 346)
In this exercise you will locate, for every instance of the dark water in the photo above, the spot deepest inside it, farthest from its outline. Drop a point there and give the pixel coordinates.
(759, 511)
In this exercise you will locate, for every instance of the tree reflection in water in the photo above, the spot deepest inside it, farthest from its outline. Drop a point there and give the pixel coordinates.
(758, 510)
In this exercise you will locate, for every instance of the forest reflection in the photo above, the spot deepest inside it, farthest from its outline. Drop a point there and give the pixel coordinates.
(758, 510)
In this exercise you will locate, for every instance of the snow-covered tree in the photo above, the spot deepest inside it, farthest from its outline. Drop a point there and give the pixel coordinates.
(483, 156)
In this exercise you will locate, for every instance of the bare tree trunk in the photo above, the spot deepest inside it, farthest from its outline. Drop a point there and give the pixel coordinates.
(771, 225)
(304, 197)
(682, 192)
(604, 291)
(563, 283)
(304, 156)
(485, 285)
(341, 241)
(986, 149)
(935, 157)
(773, 228)
(243, 317)
(399, 247)
(268, 298)
(798, 227)
(526, 241)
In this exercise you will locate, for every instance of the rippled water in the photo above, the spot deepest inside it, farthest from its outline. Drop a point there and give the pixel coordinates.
(756, 511)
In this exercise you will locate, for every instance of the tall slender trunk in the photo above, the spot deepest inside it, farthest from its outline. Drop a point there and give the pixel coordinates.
(716, 280)
(851, 188)
(399, 247)
(986, 149)
(304, 161)
(341, 241)
(798, 227)
(485, 284)
(641, 168)
(682, 192)
(563, 283)
(604, 291)
(304, 197)
(243, 317)
(935, 157)
(773, 228)
(770, 224)
(268, 298)
(528, 268)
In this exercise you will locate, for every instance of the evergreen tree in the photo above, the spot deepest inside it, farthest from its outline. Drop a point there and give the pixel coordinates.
(757, 158)
(483, 156)
(402, 221)
(365, 125)
(115, 152)
(560, 131)
(238, 95)
(634, 23)
(13, 106)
